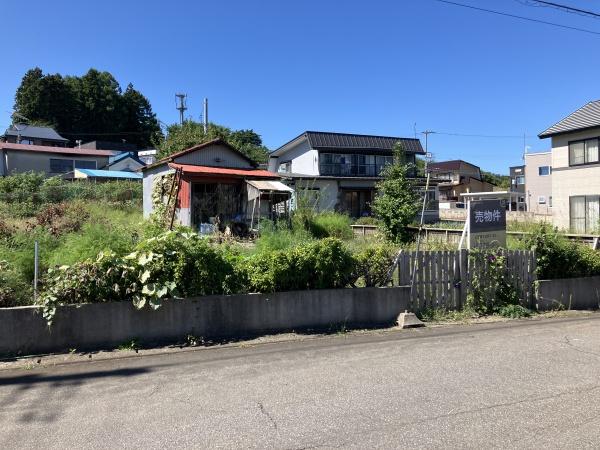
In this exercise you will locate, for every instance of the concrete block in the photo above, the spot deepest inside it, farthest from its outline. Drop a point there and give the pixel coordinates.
(409, 320)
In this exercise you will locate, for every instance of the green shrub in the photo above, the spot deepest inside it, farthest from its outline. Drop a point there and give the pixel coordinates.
(175, 263)
(316, 265)
(372, 264)
(331, 224)
(514, 311)
(279, 236)
(557, 257)
(367, 220)
(14, 289)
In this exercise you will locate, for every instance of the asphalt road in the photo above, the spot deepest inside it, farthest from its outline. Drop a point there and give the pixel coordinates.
(516, 385)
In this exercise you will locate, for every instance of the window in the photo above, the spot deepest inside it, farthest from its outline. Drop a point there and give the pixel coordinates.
(584, 213)
(583, 152)
(82, 164)
(26, 141)
(61, 165)
(354, 164)
(285, 167)
(544, 171)
(541, 200)
(520, 179)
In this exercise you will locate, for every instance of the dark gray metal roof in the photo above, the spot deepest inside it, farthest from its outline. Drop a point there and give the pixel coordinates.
(31, 131)
(588, 116)
(324, 140)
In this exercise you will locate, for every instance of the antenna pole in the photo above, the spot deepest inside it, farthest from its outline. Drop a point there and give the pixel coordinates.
(181, 106)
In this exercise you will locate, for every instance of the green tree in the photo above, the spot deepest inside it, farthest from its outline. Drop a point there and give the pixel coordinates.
(502, 181)
(397, 201)
(90, 107)
(180, 137)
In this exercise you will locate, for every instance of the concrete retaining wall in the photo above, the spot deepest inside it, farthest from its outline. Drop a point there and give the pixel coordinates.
(106, 325)
(569, 293)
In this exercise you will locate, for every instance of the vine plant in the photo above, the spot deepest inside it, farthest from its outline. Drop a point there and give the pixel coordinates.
(490, 289)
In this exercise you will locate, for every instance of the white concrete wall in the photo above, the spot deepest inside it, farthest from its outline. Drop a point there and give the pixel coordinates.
(536, 185)
(570, 181)
(305, 160)
(147, 185)
(215, 156)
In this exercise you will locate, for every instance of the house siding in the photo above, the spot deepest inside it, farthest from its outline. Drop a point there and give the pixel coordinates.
(305, 160)
(126, 164)
(148, 185)
(536, 185)
(215, 156)
(21, 161)
(571, 181)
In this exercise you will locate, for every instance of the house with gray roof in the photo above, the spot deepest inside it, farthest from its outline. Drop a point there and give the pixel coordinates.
(575, 168)
(339, 171)
(20, 133)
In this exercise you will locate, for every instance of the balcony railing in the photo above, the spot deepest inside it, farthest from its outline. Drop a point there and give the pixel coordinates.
(348, 170)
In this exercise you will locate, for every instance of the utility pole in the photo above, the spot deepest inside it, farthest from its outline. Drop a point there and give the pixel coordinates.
(181, 106)
(205, 116)
(427, 133)
(422, 221)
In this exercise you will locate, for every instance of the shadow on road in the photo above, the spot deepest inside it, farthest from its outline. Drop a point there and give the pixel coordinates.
(36, 378)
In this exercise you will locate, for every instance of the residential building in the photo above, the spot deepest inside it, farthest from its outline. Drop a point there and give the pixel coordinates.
(458, 177)
(20, 133)
(517, 185)
(148, 155)
(339, 171)
(576, 169)
(116, 147)
(215, 186)
(18, 158)
(125, 162)
(538, 182)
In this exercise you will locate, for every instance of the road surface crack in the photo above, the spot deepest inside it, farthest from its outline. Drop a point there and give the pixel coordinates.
(577, 349)
(267, 414)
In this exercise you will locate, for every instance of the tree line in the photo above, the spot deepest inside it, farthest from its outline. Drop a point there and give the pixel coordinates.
(94, 107)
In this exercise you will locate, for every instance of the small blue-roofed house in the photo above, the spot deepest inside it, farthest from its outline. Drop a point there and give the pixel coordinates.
(106, 175)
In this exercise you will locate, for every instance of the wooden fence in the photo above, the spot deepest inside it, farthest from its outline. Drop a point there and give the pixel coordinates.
(452, 236)
(443, 279)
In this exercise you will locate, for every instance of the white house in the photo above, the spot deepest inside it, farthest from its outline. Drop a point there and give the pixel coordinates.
(339, 171)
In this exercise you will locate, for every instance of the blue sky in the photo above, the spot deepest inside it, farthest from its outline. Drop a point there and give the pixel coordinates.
(282, 67)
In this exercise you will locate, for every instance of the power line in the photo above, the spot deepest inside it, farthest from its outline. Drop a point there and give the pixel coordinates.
(492, 136)
(514, 16)
(558, 6)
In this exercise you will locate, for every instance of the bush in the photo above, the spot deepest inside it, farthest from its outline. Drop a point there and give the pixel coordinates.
(514, 311)
(14, 290)
(175, 263)
(62, 218)
(557, 257)
(331, 224)
(279, 236)
(316, 265)
(372, 264)
(367, 220)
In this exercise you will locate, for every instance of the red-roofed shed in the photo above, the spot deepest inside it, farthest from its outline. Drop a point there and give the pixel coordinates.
(211, 184)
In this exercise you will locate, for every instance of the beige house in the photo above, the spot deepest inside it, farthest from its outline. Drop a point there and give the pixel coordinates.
(458, 177)
(576, 169)
(538, 182)
(19, 158)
